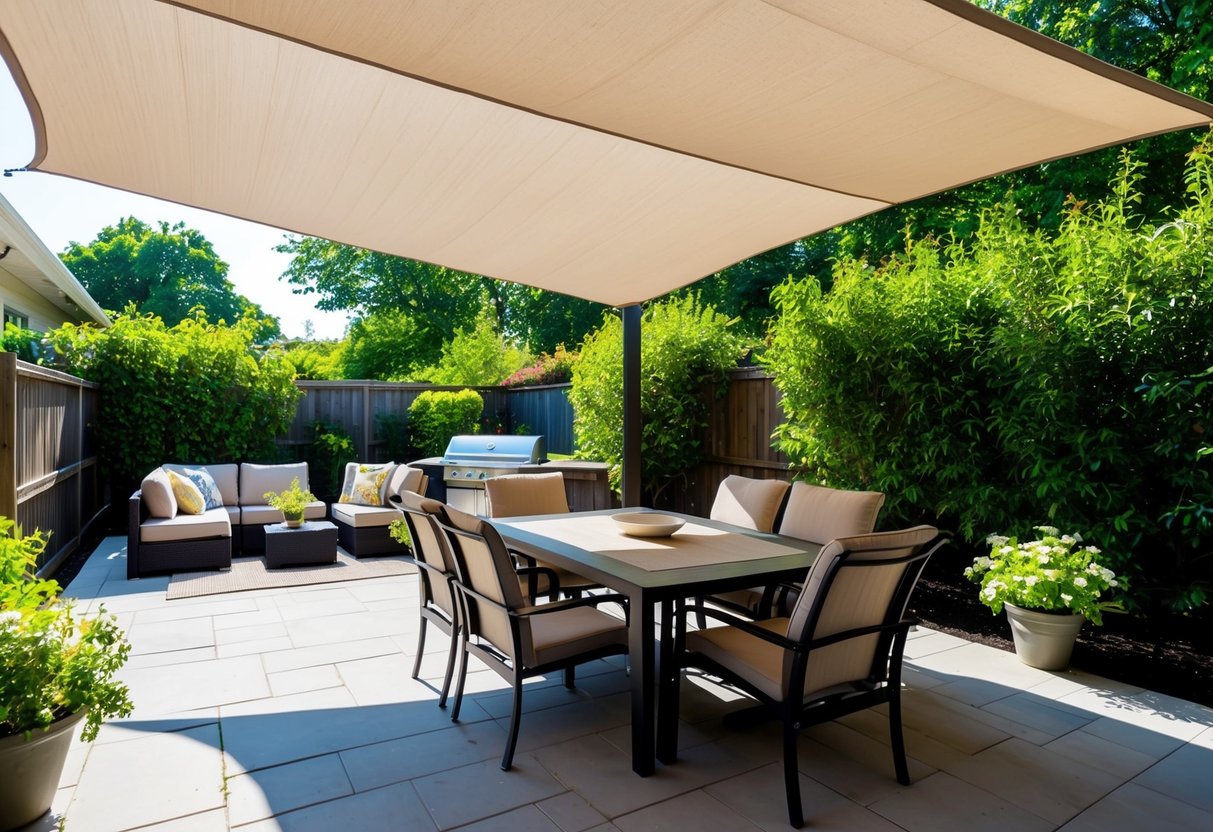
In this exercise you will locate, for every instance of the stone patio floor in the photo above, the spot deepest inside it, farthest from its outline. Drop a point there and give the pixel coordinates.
(293, 709)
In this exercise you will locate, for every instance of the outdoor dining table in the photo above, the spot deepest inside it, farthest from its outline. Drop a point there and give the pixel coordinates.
(704, 557)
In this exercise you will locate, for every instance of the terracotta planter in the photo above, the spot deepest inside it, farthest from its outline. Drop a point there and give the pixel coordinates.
(1043, 639)
(30, 770)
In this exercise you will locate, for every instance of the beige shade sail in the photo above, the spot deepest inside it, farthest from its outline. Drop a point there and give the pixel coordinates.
(612, 151)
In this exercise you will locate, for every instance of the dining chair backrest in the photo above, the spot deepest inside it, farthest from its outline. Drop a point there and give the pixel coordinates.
(422, 515)
(856, 582)
(819, 514)
(484, 566)
(750, 503)
(515, 495)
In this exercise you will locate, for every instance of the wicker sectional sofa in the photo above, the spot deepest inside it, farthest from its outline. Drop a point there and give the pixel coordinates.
(161, 539)
(362, 530)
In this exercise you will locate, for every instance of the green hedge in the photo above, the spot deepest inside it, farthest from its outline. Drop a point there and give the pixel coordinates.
(1027, 378)
(194, 392)
(437, 415)
(684, 348)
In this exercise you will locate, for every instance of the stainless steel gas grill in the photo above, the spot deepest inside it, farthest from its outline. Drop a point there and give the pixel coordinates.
(470, 460)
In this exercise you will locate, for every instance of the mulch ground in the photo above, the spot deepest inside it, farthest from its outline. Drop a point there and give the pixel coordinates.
(1172, 656)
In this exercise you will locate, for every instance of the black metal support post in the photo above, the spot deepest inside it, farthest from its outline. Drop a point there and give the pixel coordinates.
(630, 485)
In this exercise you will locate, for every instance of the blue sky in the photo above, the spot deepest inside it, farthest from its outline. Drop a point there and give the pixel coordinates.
(62, 210)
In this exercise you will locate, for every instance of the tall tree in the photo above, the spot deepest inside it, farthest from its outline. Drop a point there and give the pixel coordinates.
(163, 270)
(437, 299)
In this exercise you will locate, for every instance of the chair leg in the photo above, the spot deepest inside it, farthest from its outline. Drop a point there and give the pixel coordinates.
(791, 774)
(701, 620)
(463, 674)
(507, 759)
(420, 647)
(895, 736)
(450, 666)
(570, 677)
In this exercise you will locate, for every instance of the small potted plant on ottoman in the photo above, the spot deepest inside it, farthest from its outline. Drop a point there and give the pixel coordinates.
(56, 669)
(291, 502)
(1048, 587)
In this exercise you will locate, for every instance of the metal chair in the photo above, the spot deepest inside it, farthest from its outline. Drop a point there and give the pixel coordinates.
(751, 504)
(839, 652)
(517, 640)
(517, 495)
(436, 568)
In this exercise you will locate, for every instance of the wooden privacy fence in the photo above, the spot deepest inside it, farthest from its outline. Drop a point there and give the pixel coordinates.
(737, 441)
(48, 463)
(371, 411)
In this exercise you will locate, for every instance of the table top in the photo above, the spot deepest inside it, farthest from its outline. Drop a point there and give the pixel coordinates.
(308, 526)
(702, 553)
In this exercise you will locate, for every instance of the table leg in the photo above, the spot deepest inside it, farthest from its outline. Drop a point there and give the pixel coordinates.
(667, 688)
(641, 656)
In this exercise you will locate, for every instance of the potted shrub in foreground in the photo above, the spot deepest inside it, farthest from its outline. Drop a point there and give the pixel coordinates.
(1048, 587)
(292, 502)
(56, 669)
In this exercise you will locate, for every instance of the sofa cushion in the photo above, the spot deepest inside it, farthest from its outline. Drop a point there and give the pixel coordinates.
(225, 475)
(257, 480)
(361, 517)
(189, 498)
(212, 523)
(203, 481)
(366, 484)
(157, 493)
(253, 515)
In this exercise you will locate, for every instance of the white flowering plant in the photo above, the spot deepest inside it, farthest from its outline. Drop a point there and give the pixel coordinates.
(1053, 574)
(53, 663)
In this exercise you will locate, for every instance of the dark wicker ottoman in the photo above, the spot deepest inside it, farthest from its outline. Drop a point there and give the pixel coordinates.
(313, 542)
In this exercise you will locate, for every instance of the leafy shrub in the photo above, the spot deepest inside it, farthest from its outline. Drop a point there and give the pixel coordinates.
(24, 342)
(1029, 375)
(556, 368)
(393, 430)
(52, 664)
(194, 392)
(479, 356)
(437, 415)
(332, 447)
(684, 349)
(316, 360)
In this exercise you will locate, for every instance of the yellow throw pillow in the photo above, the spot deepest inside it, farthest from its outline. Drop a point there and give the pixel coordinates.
(365, 486)
(189, 498)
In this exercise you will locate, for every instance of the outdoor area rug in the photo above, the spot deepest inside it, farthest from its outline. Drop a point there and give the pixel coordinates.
(251, 573)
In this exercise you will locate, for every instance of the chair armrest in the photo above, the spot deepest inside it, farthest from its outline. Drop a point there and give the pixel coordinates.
(532, 574)
(744, 625)
(571, 603)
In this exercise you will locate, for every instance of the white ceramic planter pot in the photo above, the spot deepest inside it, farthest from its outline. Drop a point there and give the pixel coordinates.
(1044, 640)
(30, 770)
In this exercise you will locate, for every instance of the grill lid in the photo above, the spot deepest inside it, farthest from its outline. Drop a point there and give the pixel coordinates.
(495, 450)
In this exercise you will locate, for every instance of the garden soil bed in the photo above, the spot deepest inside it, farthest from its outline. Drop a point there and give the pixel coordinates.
(1173, 656)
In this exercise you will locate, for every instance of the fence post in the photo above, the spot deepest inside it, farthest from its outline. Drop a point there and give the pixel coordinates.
(8, 435)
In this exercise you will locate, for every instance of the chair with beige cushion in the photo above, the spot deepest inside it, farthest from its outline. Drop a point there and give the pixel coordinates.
(436, 568)
(517, 640)
(751, 504)
(819, 514)
(839, 652)
(518, 495)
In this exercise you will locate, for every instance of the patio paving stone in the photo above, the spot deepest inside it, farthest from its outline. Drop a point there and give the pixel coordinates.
(160, 776)
(480, 790)
(324, 729)
(273, 791)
